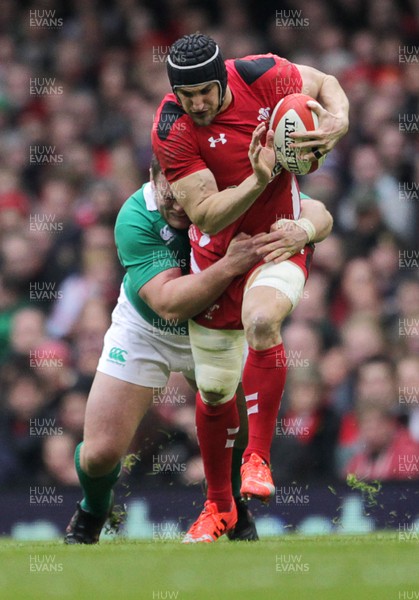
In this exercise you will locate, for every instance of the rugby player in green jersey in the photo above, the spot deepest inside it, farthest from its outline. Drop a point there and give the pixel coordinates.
(148, 338)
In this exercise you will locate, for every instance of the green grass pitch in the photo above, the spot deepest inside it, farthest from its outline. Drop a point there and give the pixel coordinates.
(377, 566)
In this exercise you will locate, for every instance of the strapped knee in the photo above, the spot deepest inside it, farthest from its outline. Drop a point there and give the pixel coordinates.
(218, 357)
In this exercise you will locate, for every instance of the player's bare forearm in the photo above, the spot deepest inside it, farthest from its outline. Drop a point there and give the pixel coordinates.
(328, 91)
(333, 99)
(181, 298)
(211, 210)
(177, 297)
(332, 109)
(184, 297)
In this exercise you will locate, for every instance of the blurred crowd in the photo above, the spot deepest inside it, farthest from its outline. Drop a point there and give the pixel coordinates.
(79, 85)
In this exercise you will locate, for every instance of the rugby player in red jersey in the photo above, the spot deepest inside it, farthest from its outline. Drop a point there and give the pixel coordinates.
(148, 338)
(201, 137)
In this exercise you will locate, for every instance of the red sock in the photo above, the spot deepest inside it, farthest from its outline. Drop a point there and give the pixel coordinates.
(217, 426)
(263, 384)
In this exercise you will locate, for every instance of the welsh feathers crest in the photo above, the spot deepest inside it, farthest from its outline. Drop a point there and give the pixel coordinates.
(264, 114)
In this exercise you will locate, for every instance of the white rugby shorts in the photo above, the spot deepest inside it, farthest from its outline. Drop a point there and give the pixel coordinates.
(136, 352)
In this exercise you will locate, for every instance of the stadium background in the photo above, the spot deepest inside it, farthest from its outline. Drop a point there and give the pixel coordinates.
(78, 89)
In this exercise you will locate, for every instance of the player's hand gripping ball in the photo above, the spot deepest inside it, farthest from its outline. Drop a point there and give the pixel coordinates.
(290, 115)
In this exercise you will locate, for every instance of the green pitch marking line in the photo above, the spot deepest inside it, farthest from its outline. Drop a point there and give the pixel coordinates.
(369, 567)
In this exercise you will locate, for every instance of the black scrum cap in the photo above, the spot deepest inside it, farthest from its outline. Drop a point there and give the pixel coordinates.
(194, 60)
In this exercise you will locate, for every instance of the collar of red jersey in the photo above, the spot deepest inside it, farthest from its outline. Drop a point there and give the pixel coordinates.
(150, 200)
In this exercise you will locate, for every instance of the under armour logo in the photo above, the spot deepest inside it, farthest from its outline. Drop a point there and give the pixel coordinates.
(213, 141)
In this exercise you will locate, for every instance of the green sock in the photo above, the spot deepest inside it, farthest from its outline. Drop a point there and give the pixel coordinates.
(236, 463)
(97, 490)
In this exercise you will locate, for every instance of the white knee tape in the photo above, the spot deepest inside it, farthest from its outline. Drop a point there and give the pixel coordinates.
(286, 277)
(218, 357)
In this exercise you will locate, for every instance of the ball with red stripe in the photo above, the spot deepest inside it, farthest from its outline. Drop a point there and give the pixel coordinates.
(292, 114)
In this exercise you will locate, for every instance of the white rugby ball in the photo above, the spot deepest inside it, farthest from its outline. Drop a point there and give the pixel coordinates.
(292, 114)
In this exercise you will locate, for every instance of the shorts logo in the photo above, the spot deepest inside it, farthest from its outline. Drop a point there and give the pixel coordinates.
(117, 355)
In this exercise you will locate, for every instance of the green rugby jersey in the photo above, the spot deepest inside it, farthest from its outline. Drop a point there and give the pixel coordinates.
(146, 246)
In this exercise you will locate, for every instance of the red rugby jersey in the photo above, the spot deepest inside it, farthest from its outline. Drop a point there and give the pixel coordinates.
(257, 84)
